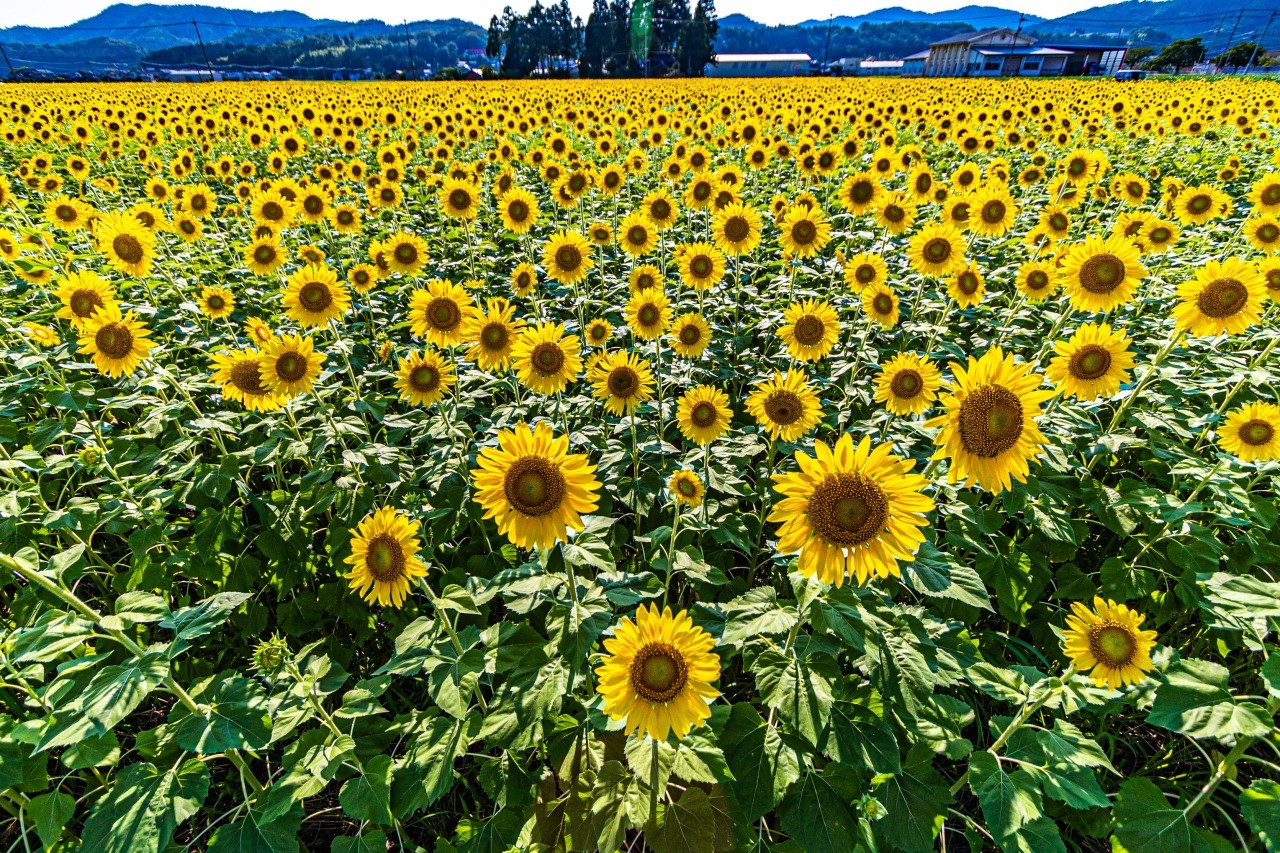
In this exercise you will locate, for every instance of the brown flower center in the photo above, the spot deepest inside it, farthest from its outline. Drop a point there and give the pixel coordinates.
(848, 509)
(518, 211)
(291, 366)
(547, 358)
(1102, 273)
(247, 379)
(534, 486)
(384, 559)
(1268, 232)
(809, 330)
(865, 273)
(882, 304)
(623, 382)
(494, 336)
(737, 229)
(569, 257)
(424, 378)
(1199, 203)
(273, 211)
(894, 213)
(990, 421)
(660, 210)
(1257, 432)
(967, 283)
(315, 296)
(804, 232)
(128, 248)
(783, 408)
(406, 253)
(1090, 362)
(443, 314)
(648, 315)
(264, 254)
(1223, 297)
(84, 303)
(114, 340)
(937, 250)
(460, 199)
(907, 384)
(861, 192)
(993, 211)
(700, 266)
(1037, 280)
(703, 414)
(658, 672)
(1112, 644)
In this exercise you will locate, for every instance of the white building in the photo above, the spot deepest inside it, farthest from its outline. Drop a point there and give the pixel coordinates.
(760, 65)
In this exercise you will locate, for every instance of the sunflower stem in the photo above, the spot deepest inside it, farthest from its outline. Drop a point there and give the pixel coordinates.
(653, 782)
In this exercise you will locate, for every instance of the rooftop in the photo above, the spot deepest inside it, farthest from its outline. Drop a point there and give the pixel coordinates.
(762, 57)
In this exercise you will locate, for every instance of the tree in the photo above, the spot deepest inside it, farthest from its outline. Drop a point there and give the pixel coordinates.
(1138, 55)
(597, 43)
(1179, 54)
(698, 39)
(1239, 55)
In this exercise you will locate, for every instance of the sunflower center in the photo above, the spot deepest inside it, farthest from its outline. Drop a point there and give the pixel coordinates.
(967, 283)
(703, 414)
(313, 204)
(1090, 362)
(114, 340)
(85, 302)
(264, 254)
(315, 296)
(809, 330)
(65, 213)
(569, 258)
(783, 408)
(1037, 280)
(247, 379)
(272, 210)
(990, 421)
(700, 266)
(937, 250)
(702, 191)
(660, 209)
(804, 232)
(737, 229)
(1160, 235)
(993, 212)
(1058, 222)
(291, 366)
(443, 314)
(960, 213)
(1135, 189)
(128, 248)
(848, 509)
(690, 334)
(1102, 273)
(865, 273)
(1257, 432)
(494, 336)
(645, 280)
(518, 211)
(216, 302)
(687, 487)
(534, 486)
(460, 199)
(894, 213)
(1222, 298)
(623, 382)
(861, 192)
(1269, 232)
(406, 253)
(547, 358)
(648, 315)
(1271, 195)
(906, 384)
(424, 378)
(882, 303)
(1199, 203)
(384, 558)
(923, 183)
(659, 672)
(1112, 644)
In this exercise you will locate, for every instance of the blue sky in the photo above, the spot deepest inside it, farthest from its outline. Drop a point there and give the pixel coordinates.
(52, 13)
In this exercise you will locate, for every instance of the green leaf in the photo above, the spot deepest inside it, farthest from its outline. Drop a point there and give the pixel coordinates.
(1193, 699)
(144, 806)
(200, 619)
(937, 574)
(686, 825)
(451, 682)
(368, 796)
(816, 812)
(756, 613)
(859, 737)
(425, 773)
(110, 696)
(368, 842)
(1039, 836)
(800, 691)
(96, 751)
(50, 813)
(915, 802)
(1008, 801)
(1271, 674)
(1260, 805)
(252, 834)
(1145, 823)
(1066, 744)
(238, 718)
(608, 806)
(141, 607)
(763, 767)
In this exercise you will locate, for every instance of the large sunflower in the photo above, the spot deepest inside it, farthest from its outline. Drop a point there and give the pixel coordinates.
(567, 257)
(1108, 643)
(908, 384)
(785, 405)
(622, 381)
(657, 673)
(1094, 362)
(313, 296)
(384, 557)
(289, 365)
(238, 374)
(519, 210)
(439, 312)
(459, 199)
(492, 333)
(993, 211)
(533, 487)
(804, 232)
(701, 265)
(865, 269)
(264, 255)
(736, 228)
(988, 431)
(703, 414)
(648, 314)
(851, 511)
(125, 242)
(546, 359)
(1101, 274)
(810, 328)
(118, 343)
(1223, 296)
(637, 235)
(1251, 432)
(936, 249)
(82, 295)
(859, 192)
(1199, 204)
(690, 335)
(425, 377)
(405, 253)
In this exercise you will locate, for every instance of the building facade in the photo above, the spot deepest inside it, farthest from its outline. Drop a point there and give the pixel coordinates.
(1003, 52)
(759, 65)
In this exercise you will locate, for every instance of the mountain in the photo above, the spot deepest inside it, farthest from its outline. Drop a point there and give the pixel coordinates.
(981, 17)
(739, 22)
(1216, 23)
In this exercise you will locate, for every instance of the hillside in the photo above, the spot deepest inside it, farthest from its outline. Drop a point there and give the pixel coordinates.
(1179, 18)
(980, 17)
(881, 41)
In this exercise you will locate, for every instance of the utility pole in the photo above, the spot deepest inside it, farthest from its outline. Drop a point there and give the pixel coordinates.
(1016, 34)
(1234, 27)
(6, 60)
(1257, 47)
(203, 51)
(827, 50)
(408, 44)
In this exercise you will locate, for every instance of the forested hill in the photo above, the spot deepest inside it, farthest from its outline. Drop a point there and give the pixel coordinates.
(882, 41)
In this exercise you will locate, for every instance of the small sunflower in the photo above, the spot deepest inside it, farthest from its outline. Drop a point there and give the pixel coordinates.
(1263, 232)
(686, 488)
(810, 329)
(880, 303)
(908, 384)
(1101, 274)
(126, 243)
(690, 335)
(967, 286)
(118, 343)
(937, 249)
(645, 277)
(238, 374)
(1037, 280)
(1201, 203)
(648, 314)
(405, 253)
(785, 405)
(546, 359)
(701, 265)
(313, 296)
(289, 365)
(40, 334)
(896, 212)
(459, 199)
(1108, 643)
(622, 381)
(82, 295)
(993, 210)
(657, 673)
(524, 279)
(425, 377)
(860, 192)
(567, 257)
(1223, 297)
(804, 232)
(703, 414)
(1251, 432)
(439, 312)
(637, 235)
(533, 487)
(519, 210)
(863, 270)
(264, 255)
(492, 334)
(851, 511)
(258, 331)
(598, 332)
(362, 277)
(216, 301)
(1094, 362)
(736, 229)
(384, 557)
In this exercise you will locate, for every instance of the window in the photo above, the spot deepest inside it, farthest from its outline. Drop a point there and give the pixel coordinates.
(1030, 64)
(993, 65)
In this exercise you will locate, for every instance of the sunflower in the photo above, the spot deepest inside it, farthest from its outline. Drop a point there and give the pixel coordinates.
(118, 343)
(993, 211)
(701, 265)
(863, 270)
(362, 277)
(459, 199)
(622, 381)
(533, 487)
(1108, 643)
(1263, 232)
(736, 229)
(126, 244)
(313, 296)
(896, 213)
(272, 208)
(810, 328)
(880, 303)
(264, 255)
(289, 365)
(1251, 432)
(937, 249)
(1269, 270)
(40, 334)
(1037, 280)
(988, 431)
(660, 208)
(238, 374)
(567, 257)
(384, 557)
(1199, 204)
(690, 335)
(598, 332)
(1094, 362)
(545, 359)
(703, 414)
(1159, 235)
(345, 219)
(1056, 219)
(648, 314)
(1224, 296)
(439, 312)
(804, 232)
(492, 334)
(82, 295)
(967, 287)
(1099, 275)
(657, 673)
(67, 214)
(599, 233)
(424, 377)
(519, 210)
(637, 235)
(258, 331)
(216, 301)
(860, 192)
(785, 405)
(405, 253)
(851, 511)
(908, 384)
(645, 277)
(1265, 193)
(524, 278)
(686, 488)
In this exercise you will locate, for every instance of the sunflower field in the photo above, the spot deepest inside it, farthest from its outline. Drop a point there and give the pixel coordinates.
(683, 466)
